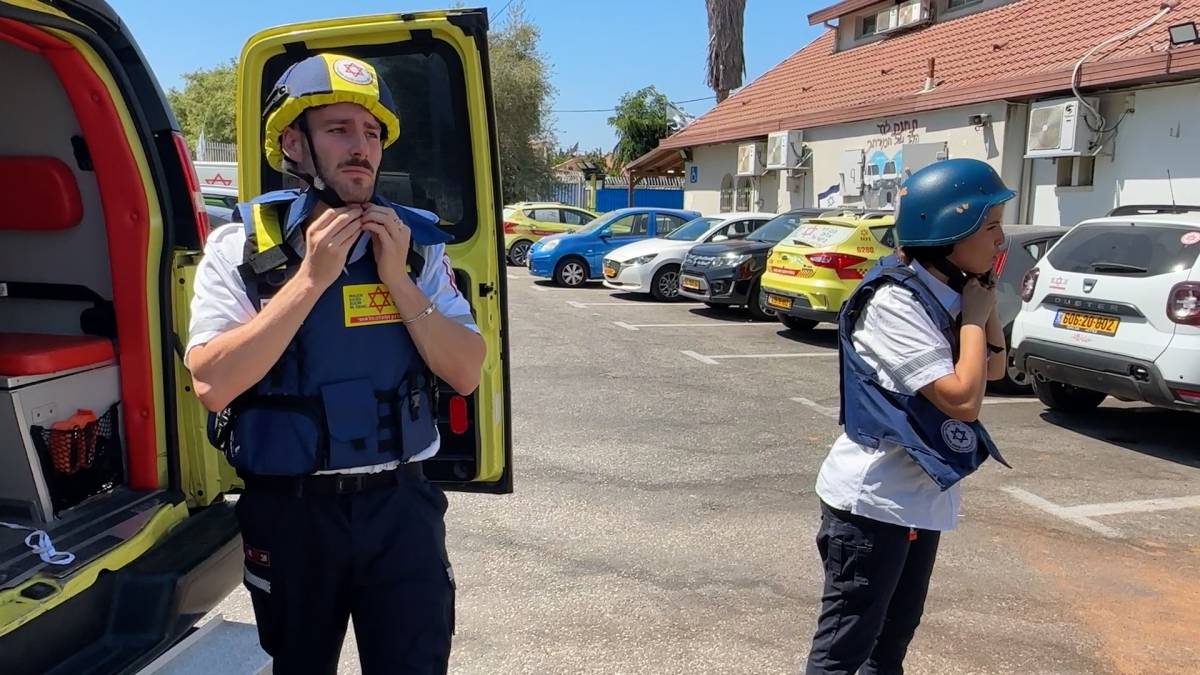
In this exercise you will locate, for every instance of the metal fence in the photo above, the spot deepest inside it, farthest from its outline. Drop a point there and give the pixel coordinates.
(212, 151)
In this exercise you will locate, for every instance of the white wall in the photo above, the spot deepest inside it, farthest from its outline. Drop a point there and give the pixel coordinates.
(1163, 133)
(887, 136)
(712, 163)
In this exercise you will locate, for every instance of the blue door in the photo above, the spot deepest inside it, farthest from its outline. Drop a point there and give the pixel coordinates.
(624, 230)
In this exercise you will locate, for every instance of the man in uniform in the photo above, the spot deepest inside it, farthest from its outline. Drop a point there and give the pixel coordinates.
(320, 328)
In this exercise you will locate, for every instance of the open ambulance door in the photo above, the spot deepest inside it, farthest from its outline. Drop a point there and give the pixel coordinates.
(445, 161)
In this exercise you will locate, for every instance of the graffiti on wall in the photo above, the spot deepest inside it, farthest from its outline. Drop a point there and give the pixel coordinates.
(884, 167)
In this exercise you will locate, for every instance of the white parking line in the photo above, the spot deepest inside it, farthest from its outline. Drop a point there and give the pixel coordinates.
(1056, 510)
(712, 359)
(823, 409)
(1138, 506)
(639, 326)
(516, 276)
(1006, 401)
(547, 289)
(585, 305)
(700, 357)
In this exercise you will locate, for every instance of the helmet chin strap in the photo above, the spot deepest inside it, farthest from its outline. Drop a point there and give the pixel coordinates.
(317, 183)
(956, 278)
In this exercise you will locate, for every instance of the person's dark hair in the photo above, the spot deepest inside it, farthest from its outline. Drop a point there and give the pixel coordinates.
(925, 254)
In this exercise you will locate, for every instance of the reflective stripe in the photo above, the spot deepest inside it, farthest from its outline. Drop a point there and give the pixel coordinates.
(922, 362)
(257, 581)
(267, 233)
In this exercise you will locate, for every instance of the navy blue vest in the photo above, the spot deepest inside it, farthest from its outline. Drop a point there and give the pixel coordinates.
(947, 449)
(351, 388)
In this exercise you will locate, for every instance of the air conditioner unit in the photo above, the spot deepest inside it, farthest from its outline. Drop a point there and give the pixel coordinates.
(784, 149)
(1060, 128)
(885, 20)
(751, 160)
(912, 13)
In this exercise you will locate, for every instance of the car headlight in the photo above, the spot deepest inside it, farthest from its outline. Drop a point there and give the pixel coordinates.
(731, 259)
(549, 245)
(641, 260)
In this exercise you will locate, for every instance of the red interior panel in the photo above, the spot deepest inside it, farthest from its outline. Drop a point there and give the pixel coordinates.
(38, 193)
(38, 354)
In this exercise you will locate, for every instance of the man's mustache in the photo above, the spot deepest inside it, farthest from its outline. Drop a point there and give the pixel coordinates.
(361, 163)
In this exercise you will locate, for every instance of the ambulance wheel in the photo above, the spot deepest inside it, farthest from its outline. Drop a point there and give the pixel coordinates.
(570, 272)
(1065, 398)
(797, 324)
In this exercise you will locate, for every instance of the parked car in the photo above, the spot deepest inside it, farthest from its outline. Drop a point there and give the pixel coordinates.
(1114, 310)
(652, 266)
(572, 259)
(103, 447)
(728, 273)
(1024, 246)
(527, 222)
(216, 195)
(812, 272)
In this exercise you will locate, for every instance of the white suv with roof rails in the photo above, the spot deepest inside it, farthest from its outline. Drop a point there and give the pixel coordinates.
(1114, 310)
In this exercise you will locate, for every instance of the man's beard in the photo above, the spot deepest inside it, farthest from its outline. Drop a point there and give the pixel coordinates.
(354, 189)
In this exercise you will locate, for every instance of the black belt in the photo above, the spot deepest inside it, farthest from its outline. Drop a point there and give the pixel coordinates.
(333, 483)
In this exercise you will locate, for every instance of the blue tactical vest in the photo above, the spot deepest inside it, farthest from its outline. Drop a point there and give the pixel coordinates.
(351, 388)
(947, 449)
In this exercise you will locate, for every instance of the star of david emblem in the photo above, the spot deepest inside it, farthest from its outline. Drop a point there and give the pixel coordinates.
(960, 436)
(379, 299)
(353, 70)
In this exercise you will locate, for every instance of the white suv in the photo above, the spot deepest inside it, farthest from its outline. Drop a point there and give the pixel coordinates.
(1114, 310)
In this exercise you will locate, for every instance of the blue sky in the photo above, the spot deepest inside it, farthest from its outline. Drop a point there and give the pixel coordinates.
(597, 51)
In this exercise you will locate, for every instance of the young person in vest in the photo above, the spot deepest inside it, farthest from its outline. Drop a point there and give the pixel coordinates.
(319, 328)
(918, 342)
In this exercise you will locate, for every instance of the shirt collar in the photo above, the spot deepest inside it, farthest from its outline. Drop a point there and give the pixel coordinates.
(302, 208)
(950, 298)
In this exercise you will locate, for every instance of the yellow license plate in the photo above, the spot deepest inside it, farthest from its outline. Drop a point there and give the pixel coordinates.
(1088, 323)
(690, 283)
(609, 271)
(779, 302)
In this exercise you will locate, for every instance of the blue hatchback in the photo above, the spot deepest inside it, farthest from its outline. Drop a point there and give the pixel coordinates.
(571, 259)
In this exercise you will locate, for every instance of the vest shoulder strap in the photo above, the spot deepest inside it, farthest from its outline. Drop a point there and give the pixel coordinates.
(267, 255)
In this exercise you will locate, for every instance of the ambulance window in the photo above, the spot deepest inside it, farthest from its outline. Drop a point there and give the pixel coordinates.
(431, 165)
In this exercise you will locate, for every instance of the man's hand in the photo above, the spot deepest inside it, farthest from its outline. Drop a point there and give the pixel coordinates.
(327, 243)
(390, 239)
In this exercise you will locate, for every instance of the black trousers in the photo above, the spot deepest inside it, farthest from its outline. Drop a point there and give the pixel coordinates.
(379, 556)
(876, 579)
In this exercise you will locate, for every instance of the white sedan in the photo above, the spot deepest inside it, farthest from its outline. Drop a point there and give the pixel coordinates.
(652, 265)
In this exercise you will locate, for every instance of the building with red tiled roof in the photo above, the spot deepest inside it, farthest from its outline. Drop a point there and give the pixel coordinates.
(891, 86)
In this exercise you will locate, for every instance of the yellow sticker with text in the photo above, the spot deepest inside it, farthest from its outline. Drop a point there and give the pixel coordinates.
(368, 304)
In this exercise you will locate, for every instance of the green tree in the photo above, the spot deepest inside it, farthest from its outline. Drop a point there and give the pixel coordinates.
(641, 119)
(522, 92)
(206, 103)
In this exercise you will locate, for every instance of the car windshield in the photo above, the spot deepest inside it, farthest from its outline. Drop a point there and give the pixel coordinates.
(693, 230)
(596, 223)
(1139, 250)
(777, 228)
(817, 234)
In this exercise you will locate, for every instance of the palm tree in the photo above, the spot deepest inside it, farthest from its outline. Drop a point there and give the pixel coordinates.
(726, 63)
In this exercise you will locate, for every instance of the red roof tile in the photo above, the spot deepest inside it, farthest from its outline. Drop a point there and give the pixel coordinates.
(1026, 48)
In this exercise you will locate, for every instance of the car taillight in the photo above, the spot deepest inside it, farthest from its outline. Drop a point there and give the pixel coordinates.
(842, 263)
(193, 186)
(1187, 395)
(510, 228)
(1029, 284)
(1184, 303)
(459, 423)
(1000, 260)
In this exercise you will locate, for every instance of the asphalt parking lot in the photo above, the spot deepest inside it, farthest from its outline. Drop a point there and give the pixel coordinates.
(664, 512)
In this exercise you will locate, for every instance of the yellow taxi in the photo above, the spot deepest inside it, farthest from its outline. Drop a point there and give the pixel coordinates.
(813, 271)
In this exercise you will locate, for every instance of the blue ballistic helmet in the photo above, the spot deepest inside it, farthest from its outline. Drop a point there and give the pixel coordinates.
(946, 202)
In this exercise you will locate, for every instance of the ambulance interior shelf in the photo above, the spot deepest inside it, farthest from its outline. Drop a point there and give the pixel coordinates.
(60, 440)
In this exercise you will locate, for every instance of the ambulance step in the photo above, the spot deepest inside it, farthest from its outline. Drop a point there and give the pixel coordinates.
(218, 646)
